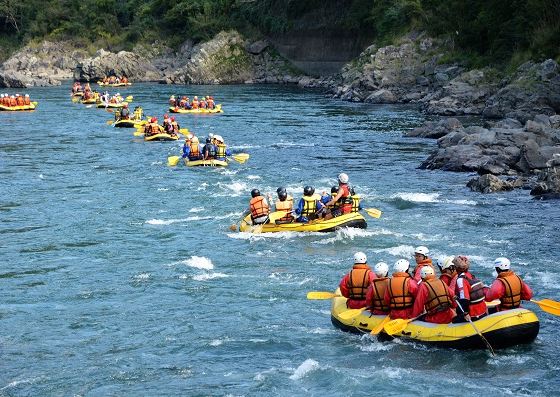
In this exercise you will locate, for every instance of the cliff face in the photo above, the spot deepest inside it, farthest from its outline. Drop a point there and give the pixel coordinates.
(319, 52)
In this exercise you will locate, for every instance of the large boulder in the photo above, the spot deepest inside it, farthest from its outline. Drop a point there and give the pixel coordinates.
(41, 64)
(435, 130)
(489, 184)
(105, 63)
(533, 89)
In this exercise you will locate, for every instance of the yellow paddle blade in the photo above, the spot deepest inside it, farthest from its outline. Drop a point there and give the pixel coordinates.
(129, 98)
(110, 122)
(550, 302)
(233, 228)
(314, 295)
(379, 328)
(241, 157)
(548, 308)
(184, 131)
(139, 132)
(350, 314)
(395, 326)
(373, 212)
(172, 161)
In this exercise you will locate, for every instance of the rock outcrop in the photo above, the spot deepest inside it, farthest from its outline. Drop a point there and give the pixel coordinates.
(43, 64)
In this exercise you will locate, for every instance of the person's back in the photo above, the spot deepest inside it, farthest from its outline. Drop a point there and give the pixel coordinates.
(375, 296)
(26, 99)
(508, 287)
(221, 149)
(309, 205)
(284, 203)
(468, 292)
(125, 113)
(209, 150)
(433, 296)
(195, 153)
(258, 207)
(400, 291)
(354, 285)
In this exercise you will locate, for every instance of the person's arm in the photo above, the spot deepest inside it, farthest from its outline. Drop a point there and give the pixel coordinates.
(419, 302)
(335, 199)
(496, 291)
(344, 286)
(526, 292)
(299, 208)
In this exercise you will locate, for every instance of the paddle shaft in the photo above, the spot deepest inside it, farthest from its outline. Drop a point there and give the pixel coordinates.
(488, 345)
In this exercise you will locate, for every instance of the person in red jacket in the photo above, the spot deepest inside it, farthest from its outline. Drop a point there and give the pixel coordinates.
(355, 284)
(468, 292)
(422, 259)
(447, 270)
(507, 287)
(433, 297)
(376, 291)
(401, 291)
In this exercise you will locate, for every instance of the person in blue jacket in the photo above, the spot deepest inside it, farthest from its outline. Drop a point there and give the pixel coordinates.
(309, 206)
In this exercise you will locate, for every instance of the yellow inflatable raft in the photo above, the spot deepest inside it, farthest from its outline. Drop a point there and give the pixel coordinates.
(102, 84)
(501, 329)
(206, 163)
(90, 101)
(130, 123)
(217, 109)
(162, 136)
(354, 219)
(31, 106)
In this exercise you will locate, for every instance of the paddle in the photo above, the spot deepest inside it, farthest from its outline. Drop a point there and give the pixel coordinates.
(380, 326)
(397, 325)
(373, 212)
(319, 295)
(172, 161)
(110, 122)
(488, 345)
(548, 306)
(241, 157)
(351, 313)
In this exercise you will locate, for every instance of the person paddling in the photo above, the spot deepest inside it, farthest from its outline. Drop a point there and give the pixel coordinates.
(422, 259)
(434, 298)
(354, 285)
(508, 287)
(258, 207)
(376, 290)
(468, 292)
(343, 198)
(401, 291)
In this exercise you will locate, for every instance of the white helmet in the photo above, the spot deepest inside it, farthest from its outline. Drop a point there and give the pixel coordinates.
(422, 250)
(401, 265)
(381, 269)
(502, 263)
(447, 262)
(343, 178)
(219, 138)
(210, 135)
(27, 95)
(360, 257)
(426, 271)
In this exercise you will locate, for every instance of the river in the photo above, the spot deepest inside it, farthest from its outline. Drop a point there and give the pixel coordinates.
(121, 276)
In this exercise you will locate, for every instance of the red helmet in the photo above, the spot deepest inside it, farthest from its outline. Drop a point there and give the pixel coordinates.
(153, 120)
(172, 118)
(165, 116)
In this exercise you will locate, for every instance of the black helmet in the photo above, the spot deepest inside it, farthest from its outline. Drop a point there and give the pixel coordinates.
(334, 189)
(282, 193)
(255, 192)
(208, 140)
(308, 191)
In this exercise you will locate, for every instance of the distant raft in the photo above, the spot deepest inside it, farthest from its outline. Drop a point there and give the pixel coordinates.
(175, 109)
(162, 136)
(206, 163)
(353, 219)
(31, 106)
(502, 329)
(102, 84)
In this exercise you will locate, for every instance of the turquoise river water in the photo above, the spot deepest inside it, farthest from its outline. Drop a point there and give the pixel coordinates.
(120, 276)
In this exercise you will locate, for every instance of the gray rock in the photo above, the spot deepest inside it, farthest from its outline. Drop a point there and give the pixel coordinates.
(258, 47)
(489, 183)
(381, 96)
(508, 123)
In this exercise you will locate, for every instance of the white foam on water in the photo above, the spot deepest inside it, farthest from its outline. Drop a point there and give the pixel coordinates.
(208, 276)
(306, 367)
(376, 346)
(491, 241)
(234, 189)
(161, 221)
(217, 342)
(253, 177)
(417, 197)
(162, 189)
(391, 373)
(156, 163)
(278, 235)
(196, 209)
(20, 382)
(41, 176)
(198, 262)
(142, 276)
(462, 202)
(244, 146)
(551, 280)
(400, 250)
(321, 331)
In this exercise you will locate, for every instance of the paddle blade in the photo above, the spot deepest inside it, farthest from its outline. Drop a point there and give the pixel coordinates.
(274, 216)
(550, 302)
(184, 131)
(379, 328)
(373, 212)
(139, 132)
(233, 228)
(241, 157)
(129, 98)
(314, 295)
(545, 307)
(110, 122)
(350, 314)
(172, 161)
(395, 326)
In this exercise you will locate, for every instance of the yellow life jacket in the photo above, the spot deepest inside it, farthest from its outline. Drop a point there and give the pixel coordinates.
(358, 281)
(310, 206)
(355, 203)
(513, 286)
(221, 150)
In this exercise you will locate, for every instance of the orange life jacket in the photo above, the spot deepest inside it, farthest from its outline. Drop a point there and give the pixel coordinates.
(194, 104)
(195, 150)
(358, 281)
(379, 287)
(210, 103)
(154, 128)
(26, 100)
(20, 101)
(513, 286)
(258, 206)
(13, 101)
(400, 297)
(6, 101)
(286, 205)
(425, 262)
(438, 295)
